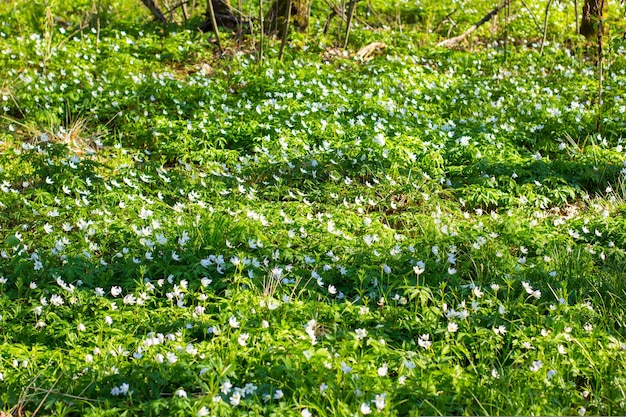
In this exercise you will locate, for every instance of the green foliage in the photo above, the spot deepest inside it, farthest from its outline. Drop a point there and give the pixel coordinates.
(426, 232)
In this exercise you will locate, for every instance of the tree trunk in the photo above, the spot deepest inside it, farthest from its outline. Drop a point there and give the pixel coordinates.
(223, 16)
(155, 10)
(593, 11)
(276, 17)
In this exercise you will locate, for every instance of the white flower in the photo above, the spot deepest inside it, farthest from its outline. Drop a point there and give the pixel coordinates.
(419, 268)
(203, 412)
(56, 300)
(477, 292)
(495, 374)
(424, 341)
(382, 371)
(108, 320)
(306, 413)
(116, 290)
(233, 322)
(499, 330)
(361, 334)
(551, 373)
(278, 394)
(536, 366)
(452, 327)
(380, 402)
(181, 393)
(379, 139)
(235, 399)
(243, 339)
(226, 387)
(463, 140)
(365, 409)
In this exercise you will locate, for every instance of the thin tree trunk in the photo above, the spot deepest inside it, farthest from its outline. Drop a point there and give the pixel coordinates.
(600, 69)
(576, 15)
(260, 31)
(285, 33)
(545, 27)
(214, 24)
(224, 16)
(349, 23)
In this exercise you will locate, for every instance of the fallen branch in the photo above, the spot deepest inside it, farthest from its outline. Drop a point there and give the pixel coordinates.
(365, 52)
(458, 39)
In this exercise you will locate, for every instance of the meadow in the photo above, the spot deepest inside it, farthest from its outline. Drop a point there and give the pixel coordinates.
(431, 231)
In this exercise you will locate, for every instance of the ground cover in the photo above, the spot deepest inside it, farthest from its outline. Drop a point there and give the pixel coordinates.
(428, 232)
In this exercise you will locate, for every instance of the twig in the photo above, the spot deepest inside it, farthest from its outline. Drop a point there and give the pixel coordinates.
(62, 394)
(457, 39)
(172, 9)
(532, 16)
(48, 391)
(448, 16)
